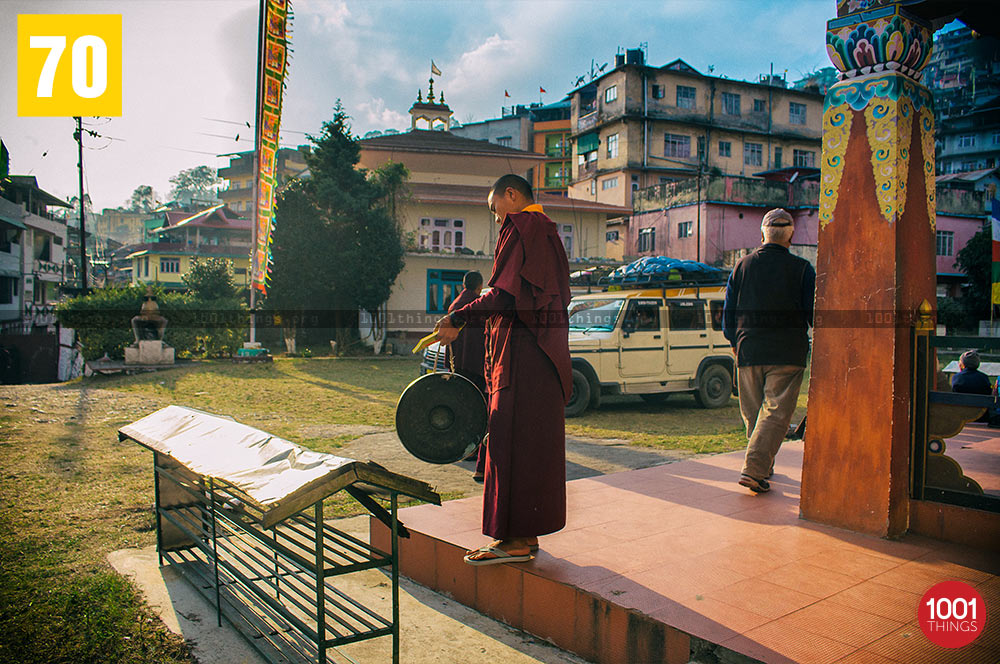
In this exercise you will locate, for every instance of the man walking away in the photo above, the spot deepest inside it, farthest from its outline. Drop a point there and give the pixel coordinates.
(766, 317)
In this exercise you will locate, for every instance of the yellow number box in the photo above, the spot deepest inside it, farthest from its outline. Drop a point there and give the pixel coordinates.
(69, 64)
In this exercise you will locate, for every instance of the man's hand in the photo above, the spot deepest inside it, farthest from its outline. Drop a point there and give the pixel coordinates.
(445, 331)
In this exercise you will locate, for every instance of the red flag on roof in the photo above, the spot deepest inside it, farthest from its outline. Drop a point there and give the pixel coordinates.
(506, 94)
(541, 89)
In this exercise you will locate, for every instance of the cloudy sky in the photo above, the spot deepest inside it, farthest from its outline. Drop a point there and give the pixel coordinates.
(189, 69)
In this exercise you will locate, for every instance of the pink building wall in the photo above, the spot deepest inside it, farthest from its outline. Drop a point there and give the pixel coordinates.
(963, 228)
(727, 227)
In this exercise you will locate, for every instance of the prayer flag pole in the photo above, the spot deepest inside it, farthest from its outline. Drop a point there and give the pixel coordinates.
(256, 169)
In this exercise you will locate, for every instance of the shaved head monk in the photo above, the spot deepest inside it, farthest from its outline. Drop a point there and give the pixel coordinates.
(528, 376)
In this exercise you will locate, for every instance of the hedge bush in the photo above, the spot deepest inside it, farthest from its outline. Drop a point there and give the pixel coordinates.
(195, 328)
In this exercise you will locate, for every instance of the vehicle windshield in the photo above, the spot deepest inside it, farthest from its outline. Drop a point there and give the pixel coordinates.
(594, 314)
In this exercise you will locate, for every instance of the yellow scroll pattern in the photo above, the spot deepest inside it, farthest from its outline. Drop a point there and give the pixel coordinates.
(889, 127)
(836, 133)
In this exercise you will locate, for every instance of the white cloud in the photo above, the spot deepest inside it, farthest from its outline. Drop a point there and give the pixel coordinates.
(324, 13)
(487, 69)
(374, 113)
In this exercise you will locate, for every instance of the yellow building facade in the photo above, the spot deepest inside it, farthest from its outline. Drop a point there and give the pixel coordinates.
(639, 126)
(447, 226)
(213, 233)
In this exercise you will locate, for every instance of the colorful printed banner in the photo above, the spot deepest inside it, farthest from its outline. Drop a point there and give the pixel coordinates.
(995, 223)
(274, 61)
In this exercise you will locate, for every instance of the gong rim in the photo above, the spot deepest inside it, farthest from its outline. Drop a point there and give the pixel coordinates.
(441, 417)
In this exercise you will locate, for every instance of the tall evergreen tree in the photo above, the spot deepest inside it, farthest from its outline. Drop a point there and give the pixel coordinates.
(337, 241)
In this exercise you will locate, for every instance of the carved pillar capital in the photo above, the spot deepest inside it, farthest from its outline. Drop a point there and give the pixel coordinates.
(878, 37)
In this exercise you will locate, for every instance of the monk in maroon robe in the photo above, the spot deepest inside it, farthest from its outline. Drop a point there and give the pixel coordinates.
(528, 376)
(469, 351)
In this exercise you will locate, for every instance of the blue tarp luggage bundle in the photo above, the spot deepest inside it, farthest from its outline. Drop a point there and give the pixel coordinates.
(664, 270)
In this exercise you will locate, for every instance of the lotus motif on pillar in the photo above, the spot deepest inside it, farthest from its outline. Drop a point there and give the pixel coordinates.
(878, 40)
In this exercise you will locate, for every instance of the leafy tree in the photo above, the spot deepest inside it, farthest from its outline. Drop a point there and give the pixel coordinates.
(200, 182)
(337, 241)
(975, 260)
(211, 279)
(143, 199)
(212, 288)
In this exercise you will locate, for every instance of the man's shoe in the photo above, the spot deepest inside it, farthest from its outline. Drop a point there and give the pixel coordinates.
(755, 485)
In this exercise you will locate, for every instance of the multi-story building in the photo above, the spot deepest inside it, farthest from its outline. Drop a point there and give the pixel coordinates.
(125, 226)
(970, 141)
(636, 126)
(964, 74)
(182, 237)
(447, 226)
(32, 251)
(543, 129)
(238, 194)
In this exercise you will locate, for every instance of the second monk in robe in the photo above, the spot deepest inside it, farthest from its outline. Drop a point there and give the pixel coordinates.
(528, 376)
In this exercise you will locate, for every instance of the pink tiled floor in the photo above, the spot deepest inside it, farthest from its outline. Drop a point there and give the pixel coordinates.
(682, 544)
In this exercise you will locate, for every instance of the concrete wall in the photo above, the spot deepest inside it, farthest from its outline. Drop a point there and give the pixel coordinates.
(516, 128)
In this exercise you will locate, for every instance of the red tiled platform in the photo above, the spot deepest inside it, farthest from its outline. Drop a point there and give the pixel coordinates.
(977, 451)
(650, 557)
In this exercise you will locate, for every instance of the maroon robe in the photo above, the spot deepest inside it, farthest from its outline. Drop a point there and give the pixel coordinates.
(529, 379)
(469, 349)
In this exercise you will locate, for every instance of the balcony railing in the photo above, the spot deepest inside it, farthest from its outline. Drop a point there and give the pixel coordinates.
(202, 249)
(44, 267)
(587, 121)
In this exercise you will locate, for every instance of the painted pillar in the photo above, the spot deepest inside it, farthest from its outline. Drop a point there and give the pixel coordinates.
(875, 265)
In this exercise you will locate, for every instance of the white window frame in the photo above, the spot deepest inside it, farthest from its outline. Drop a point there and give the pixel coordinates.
(613, 146)
(449, 235)
(686, 100)
(797, 113)
(967, 141)
(611, 94)
(804, 158)
(731, 103)
(685, 229)
(609, 183)
(676, 143)
(945, 243)
(646, 239)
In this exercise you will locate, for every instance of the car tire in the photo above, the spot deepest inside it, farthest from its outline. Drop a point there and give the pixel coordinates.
(715, 387)
(580, 399)
(655, 398)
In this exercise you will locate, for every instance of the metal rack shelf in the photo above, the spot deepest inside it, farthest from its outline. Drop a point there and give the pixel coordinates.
(273, 577)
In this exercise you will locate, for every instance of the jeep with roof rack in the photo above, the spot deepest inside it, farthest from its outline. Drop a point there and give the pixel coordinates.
(655, 330)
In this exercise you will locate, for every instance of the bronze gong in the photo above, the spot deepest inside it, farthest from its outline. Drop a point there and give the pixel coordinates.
(441, 417)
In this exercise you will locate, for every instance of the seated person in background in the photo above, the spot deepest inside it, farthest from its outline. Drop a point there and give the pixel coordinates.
(969, 379)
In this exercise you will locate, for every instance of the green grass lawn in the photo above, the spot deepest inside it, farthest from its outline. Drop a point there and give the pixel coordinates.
(72, 493)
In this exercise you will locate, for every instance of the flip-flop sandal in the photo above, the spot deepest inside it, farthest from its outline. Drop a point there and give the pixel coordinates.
(501, 557)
